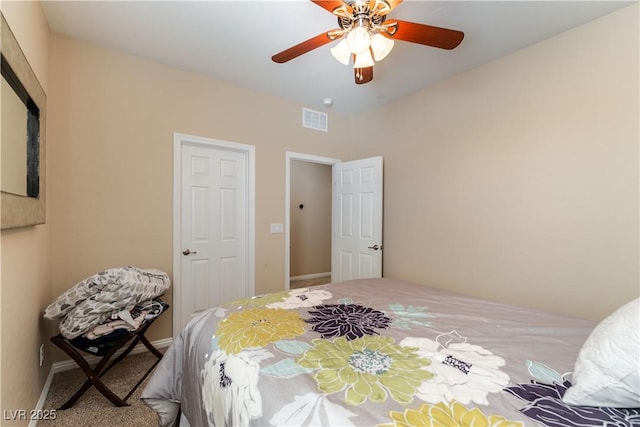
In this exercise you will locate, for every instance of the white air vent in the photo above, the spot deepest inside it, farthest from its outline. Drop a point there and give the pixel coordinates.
(315, 120)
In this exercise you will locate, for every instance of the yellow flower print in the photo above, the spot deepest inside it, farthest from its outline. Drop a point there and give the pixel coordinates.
(257, 327)
(371, 367)
(442, 414)
(258, 300)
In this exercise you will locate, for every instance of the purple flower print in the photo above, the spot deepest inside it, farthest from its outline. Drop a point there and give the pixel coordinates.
(546, 406)
(346, 320)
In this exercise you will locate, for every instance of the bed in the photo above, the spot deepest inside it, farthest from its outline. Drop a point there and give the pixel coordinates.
(383, 352)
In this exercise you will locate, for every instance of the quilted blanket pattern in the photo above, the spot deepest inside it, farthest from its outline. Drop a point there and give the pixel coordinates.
(92, 301)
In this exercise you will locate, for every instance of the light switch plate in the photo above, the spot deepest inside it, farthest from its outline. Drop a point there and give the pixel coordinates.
(277, 228)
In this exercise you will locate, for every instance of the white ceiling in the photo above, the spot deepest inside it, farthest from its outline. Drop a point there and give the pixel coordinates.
(234, 41)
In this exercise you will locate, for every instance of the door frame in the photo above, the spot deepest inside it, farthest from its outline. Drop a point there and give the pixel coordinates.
(290, 155)
(364, 246)
(180, 139)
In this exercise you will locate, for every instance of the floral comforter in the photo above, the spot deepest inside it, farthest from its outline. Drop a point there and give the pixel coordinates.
(373, 352)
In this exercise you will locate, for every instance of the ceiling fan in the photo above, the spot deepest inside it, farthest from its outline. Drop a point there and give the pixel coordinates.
(367, 34)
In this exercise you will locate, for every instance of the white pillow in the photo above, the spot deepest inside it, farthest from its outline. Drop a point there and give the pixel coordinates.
(607, 371)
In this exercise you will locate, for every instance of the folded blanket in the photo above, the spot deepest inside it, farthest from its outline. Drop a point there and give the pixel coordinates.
(93, 300)
(129, 319)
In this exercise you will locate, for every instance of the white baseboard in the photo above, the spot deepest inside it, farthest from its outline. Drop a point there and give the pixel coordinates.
(311, 276)
(43, 396)
(69, 364)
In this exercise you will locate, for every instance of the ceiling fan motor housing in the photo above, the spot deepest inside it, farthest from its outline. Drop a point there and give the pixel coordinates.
(362, 15)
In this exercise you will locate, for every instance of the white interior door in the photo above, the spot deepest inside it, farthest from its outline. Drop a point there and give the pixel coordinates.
(213, 262)
(357, 220)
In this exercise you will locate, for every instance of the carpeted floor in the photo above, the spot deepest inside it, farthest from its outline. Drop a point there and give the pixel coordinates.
(93, 409)
(296, 284)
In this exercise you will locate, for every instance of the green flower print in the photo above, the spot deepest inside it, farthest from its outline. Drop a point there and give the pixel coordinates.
(370, 367)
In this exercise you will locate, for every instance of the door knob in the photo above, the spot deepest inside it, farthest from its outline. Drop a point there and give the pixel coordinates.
(188, 252)
(375, 247)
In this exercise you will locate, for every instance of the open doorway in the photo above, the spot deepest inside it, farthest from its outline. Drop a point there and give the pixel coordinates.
(308, 220)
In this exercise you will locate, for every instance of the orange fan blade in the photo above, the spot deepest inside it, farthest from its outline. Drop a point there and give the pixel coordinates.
(428, 35)
(363, 75)
(301, 48)
(329, 5)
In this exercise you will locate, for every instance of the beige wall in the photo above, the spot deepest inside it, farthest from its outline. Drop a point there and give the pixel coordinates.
(518, 180)
(310, 226)
(113, 117)
(25, 273)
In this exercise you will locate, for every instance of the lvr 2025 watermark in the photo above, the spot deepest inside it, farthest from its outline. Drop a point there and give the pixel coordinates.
(33, 414)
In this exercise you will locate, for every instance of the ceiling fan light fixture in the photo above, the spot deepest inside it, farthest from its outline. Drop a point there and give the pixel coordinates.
(381, 46)
(365, 33)
(341, 52)
(363, 60)
(358, 40)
